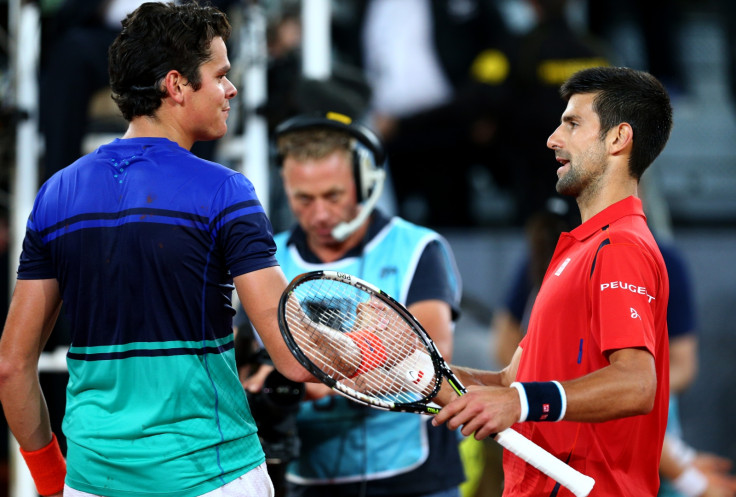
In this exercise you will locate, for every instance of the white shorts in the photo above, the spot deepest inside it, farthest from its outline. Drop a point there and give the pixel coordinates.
(255, 483)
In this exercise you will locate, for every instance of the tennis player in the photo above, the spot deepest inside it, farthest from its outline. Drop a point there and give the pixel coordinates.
(142, 241)
(589, 382)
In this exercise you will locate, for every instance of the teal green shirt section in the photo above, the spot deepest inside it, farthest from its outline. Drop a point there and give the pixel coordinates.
(137, 421)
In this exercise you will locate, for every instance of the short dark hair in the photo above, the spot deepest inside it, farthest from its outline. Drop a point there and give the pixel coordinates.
(156, 38)
(631, 96)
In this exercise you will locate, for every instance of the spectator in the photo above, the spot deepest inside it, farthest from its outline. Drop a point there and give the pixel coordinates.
(657, 22)
(546, 56)
(459, 53)
(685, 471)
(510, 322)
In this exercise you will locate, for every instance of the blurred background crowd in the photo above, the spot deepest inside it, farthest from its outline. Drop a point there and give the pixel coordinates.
(463, 94)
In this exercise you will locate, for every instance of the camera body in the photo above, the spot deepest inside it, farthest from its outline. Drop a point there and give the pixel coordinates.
(274, 410)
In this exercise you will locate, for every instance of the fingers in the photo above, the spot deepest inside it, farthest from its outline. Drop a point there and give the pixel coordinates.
(254, 383)
(448, 413)
(712, 462)
(468, 416)
(371, 315)
(483, 411)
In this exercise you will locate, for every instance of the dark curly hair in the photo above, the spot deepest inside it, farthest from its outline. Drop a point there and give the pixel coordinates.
(156, 38)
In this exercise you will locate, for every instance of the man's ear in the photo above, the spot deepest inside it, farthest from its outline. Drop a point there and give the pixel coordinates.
(621, 138)
(174, 84)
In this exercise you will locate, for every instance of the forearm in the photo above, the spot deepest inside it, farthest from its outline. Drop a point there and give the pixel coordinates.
(669, 466)
(259, 292)
(624, 388)
(469, 377)
(683, 362)
(508, 336)
(435, 316)
(31, 316)
(25, 409)
(28, 419)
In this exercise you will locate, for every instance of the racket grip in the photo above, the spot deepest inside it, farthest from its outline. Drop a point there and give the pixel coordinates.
(578, 483)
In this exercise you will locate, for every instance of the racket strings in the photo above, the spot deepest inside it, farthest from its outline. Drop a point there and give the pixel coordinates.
(359, 341)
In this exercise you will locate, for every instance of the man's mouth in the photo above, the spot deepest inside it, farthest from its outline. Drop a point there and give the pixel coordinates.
(563, 162)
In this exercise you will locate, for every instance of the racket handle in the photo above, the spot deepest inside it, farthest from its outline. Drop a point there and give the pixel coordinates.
(576, 482)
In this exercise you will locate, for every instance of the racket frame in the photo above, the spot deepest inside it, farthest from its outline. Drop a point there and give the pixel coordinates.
(442, 370)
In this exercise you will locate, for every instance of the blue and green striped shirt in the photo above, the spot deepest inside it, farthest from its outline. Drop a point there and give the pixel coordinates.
(144, 239)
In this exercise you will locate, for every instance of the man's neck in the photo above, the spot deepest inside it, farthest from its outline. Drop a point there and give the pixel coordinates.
(590, 205)
(147, 127)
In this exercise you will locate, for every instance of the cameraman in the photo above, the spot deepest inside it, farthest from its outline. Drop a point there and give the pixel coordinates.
(333, 173)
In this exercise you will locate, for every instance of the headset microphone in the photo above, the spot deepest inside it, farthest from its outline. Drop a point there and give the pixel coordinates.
(344, 230)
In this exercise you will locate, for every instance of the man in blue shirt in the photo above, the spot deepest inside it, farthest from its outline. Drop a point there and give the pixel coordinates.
(144, 242)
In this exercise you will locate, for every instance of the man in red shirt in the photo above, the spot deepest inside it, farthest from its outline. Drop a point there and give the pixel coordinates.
(595, 358)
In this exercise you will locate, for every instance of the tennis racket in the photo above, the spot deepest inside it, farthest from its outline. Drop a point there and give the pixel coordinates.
(366, 346)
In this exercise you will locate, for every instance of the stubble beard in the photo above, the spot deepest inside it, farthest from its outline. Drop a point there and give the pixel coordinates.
(569, 183)
(578, 178)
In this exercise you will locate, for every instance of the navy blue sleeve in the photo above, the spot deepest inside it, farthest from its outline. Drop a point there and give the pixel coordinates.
(680, 310)
(35, 257)
(518, 296)
(35, 263)
(243, 229)
(433, 279)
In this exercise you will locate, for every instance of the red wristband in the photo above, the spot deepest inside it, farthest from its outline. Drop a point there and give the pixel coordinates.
(47, 467)
(373, 353)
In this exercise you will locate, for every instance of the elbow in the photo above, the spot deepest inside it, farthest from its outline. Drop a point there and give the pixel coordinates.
(645, 393)
(294, 371)
(301, 376)
(10, 370)
(6, 374)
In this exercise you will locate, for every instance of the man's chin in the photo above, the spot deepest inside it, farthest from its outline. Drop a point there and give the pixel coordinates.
(325, 238)
(565, 188)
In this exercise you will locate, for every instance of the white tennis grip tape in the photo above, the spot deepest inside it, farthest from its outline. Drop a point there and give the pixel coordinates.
(417, 371)
(578, 483)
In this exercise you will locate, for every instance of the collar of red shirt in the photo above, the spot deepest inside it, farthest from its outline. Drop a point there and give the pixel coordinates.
(630, 206)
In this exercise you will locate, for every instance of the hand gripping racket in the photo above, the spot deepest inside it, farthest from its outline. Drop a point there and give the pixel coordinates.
(363, 344)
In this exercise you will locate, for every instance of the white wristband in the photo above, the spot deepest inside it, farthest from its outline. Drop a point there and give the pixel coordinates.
(522, 400)
(691, 482)
(417, 371)
(563, 396)
(680, 451)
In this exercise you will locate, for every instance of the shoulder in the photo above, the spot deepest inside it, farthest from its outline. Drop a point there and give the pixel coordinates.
(633, 230)
(407, 226)
(410, 235)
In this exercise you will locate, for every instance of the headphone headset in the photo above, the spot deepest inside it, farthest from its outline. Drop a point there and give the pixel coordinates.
(369, 157)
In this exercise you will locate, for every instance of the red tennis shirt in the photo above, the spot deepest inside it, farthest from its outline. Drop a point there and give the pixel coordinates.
(606, 288)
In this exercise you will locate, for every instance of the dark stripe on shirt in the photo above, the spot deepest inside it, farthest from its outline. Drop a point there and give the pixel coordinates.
(605, 242)
(151, 353)
(140, 211)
